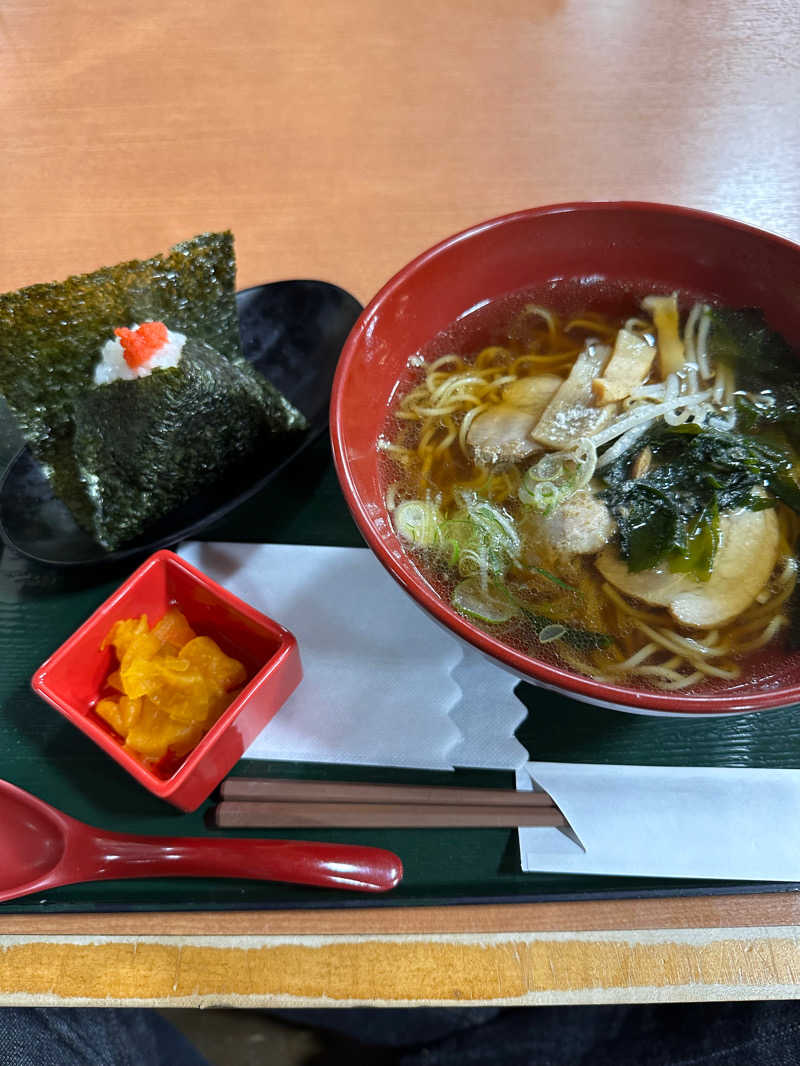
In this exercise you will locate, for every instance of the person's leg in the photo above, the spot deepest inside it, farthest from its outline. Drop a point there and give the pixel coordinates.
(390, 1027)
(692, 1034)
(88, 1036)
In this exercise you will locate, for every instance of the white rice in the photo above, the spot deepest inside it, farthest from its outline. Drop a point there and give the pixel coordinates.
(112, 365)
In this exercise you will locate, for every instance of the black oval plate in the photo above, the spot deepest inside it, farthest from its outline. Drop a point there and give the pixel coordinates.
(292, 332)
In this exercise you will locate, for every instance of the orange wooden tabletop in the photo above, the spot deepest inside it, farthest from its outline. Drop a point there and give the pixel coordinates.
(337, 140)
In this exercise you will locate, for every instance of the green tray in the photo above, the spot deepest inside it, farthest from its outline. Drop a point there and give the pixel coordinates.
(41, 752)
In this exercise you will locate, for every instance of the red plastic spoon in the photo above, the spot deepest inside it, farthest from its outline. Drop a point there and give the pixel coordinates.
(42, 848)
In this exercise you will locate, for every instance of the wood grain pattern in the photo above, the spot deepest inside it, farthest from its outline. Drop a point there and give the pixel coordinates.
(231, 814)
(337, 146)
(341, 145)
(285, 790)
(621, 915)
(393, 971)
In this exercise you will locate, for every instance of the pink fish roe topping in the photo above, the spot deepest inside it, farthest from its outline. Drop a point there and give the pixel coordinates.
(140, 344)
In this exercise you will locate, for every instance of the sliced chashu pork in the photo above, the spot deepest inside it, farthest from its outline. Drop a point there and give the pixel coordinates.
(746, 556)
(533, 393)
(581, 525)
(503, 433)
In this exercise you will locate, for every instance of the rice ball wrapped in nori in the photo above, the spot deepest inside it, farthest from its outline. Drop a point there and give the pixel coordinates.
(173, 431)
(122, 454)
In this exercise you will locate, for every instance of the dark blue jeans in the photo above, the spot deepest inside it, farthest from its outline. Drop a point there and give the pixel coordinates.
(89, 1036)
(716, 1034)
(680, 1034)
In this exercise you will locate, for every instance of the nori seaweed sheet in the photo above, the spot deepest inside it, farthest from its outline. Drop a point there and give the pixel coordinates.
(51, 336)
(170, 430)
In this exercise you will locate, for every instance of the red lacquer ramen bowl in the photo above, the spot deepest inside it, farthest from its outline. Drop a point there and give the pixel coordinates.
(633, 244)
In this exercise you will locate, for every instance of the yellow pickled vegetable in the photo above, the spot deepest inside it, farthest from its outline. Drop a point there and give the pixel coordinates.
(173, 685)
(208, 657)
(174, 629)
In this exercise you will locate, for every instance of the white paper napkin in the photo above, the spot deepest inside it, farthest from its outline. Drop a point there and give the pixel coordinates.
(384, 684)
(486, 715)
(667, 821)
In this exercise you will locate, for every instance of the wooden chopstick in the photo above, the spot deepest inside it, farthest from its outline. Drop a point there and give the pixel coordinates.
(251, 814)
(255, 803)
(277, 790)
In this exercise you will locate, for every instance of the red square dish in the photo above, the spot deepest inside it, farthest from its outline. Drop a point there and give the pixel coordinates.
(74, 676)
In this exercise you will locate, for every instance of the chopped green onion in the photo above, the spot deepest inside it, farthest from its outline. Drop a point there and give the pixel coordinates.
(556, 477)
(551, 633)
(485, 603)
(418, 522)
(553, 578)
(545, 497)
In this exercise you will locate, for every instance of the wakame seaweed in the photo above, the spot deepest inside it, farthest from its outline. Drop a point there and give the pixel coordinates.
(672, 512)
(576, 637)
(766, 371)
(742, 339)
(51, 336)
(169, 431)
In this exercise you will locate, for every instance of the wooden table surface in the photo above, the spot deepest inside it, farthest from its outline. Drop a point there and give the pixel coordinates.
(337, 140)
